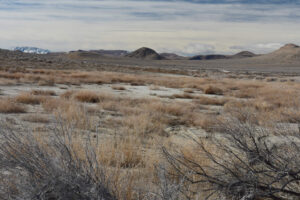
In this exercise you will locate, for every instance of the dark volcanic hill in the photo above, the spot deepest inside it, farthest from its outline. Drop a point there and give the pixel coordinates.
(111, 53)
(209, 57)
(173, 56)
(243, 54)
(145, 53)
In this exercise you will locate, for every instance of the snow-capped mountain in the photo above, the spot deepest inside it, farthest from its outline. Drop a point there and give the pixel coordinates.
(31, 50)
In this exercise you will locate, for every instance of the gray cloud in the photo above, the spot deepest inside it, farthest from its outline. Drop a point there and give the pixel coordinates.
(187, 27)
(258, 48)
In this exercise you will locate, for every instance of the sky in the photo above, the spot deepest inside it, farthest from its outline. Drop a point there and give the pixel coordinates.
(185, 27)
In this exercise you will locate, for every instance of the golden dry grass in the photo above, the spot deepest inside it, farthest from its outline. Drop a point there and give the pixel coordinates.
(28, 98)
(211, 101)
(43, 92)
(87, 96)
(36, 118)
(213, 90)
(8, 105)
(71, 112)
(184, 96)
(140, 126)
(118, 87)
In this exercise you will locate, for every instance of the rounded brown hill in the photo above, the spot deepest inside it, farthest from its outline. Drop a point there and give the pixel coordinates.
(145, 53)
(289, 52)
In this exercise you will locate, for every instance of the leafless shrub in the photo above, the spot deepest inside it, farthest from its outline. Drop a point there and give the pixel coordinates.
(168, 188)
(246, 162)
(32, 168)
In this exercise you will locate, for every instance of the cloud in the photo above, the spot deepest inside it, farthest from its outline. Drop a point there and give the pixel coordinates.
(191, 49)
(187, 27)
(259, 48)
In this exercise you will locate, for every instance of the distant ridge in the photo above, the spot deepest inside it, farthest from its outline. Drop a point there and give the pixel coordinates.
(173, 56)
(145, 53)
(209, 57)
(97, 53)
(112, 53)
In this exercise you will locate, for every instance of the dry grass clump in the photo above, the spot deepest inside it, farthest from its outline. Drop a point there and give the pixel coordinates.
(70, 111)
(5, 81)
(47, 82)
(175, 109)
(211, 101)
(37, 118)
(8, 105)
(183, 96)
(125, 153)
(43, 92)
(51, 104)
(145, 124)
(213, 90)
(68, 94)
(246, 93)
(154, 87)
(275, 102)
(118, 87)
(87, 96)
(28, 98)
(188, 91)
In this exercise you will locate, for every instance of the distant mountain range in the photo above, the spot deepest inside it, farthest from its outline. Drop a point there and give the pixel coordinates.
(34, 50)
(289, 52)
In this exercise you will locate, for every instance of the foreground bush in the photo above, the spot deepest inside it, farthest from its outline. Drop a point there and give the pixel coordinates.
(32, 168)
(244, 162)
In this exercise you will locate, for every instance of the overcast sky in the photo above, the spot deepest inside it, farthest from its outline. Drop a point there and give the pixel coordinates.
(180, 26)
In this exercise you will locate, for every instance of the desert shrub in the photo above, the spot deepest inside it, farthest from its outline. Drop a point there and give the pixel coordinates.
(213, 90)
(210, 101)
(27, 98)
(118, 87)
(37, 118)
(87, 96)
(68, 94)
(183, 96)
(43, 169)
(11, 106)
(246, 162)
